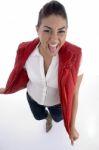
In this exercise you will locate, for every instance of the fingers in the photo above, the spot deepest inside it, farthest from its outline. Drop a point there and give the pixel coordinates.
(72, 141)
(2, 90)
(74, 135)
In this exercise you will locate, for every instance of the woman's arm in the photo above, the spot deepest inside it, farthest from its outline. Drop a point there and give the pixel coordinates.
(73, 132)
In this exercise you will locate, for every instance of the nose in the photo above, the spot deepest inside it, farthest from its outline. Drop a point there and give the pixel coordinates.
(54, 37)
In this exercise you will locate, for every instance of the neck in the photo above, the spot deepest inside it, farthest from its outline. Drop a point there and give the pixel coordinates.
(44, 53)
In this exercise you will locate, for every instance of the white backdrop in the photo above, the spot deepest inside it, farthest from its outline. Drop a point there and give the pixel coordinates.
(18, 129)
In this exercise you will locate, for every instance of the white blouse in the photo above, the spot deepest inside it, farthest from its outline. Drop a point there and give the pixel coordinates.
(43, 89)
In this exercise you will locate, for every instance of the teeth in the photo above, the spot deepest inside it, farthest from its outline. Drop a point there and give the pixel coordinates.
(54, 45)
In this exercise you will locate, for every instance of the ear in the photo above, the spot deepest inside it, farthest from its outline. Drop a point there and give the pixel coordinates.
(37, 28)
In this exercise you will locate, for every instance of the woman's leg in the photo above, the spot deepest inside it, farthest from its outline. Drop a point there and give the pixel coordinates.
(39, 112)
(56, 112)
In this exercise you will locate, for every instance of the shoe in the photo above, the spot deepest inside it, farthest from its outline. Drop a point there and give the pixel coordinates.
(48, 123)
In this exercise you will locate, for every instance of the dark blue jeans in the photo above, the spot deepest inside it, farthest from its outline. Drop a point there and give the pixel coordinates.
(40, 112)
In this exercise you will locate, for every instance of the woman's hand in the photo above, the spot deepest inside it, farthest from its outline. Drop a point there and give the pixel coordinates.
(2, 90)
(74, 135)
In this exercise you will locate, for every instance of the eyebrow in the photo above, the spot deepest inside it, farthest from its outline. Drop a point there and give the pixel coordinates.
(58, 29)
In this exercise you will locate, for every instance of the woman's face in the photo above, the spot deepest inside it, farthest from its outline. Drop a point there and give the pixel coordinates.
(52, 34)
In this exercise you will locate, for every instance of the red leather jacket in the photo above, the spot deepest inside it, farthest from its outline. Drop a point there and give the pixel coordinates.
(69, 61)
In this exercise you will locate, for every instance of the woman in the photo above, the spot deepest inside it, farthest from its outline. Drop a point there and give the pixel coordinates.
(49, 67)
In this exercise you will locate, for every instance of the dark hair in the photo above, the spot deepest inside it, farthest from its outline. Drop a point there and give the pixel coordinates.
(52, 7)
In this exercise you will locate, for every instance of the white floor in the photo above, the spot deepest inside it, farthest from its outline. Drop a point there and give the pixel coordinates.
(20, 131)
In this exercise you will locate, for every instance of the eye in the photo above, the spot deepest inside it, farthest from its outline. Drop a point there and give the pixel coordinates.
(61, 31)
(47, 31)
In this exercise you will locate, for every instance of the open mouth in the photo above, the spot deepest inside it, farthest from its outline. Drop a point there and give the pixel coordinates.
(53, 48)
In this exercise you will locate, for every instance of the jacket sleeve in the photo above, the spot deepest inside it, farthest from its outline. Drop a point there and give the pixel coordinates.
(18, 77)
